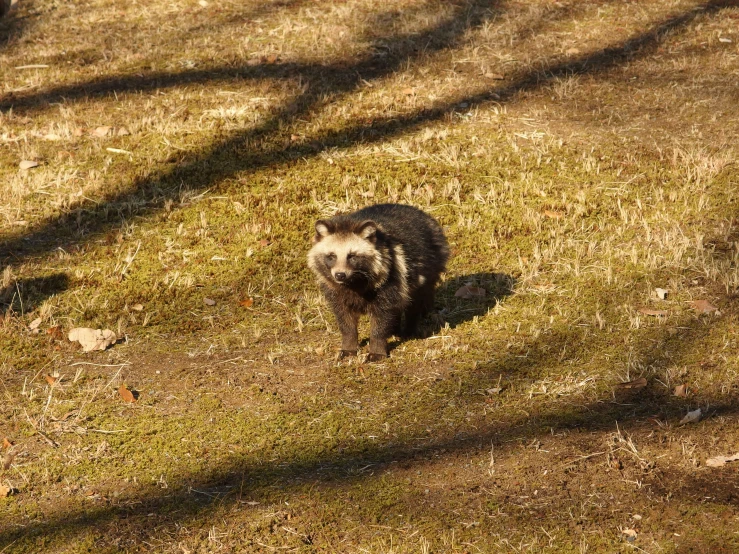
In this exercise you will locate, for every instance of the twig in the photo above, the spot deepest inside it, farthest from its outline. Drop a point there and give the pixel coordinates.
(581, 458)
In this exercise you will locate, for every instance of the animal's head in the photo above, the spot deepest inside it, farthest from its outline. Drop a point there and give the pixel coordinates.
(346, 253)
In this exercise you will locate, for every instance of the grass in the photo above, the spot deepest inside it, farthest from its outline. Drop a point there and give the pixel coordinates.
(578, 154)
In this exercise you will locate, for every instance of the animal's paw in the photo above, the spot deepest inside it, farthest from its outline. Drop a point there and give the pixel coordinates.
(346, 354)
(376, 357)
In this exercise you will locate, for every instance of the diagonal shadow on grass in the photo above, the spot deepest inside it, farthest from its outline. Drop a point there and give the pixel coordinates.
(207, 168)
(195, 495)
(25, 295)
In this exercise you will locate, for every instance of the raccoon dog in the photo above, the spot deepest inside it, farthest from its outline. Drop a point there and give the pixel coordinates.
(383, 260)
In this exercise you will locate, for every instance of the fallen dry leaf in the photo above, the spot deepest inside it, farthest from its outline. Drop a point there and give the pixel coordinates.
(409, 91)
(553, 214)
(264, 243)
(92, 339)
(494, 390)
(28, 164)
(703, 306)
(209, 301)
(137, 307)
(681, 390)
(572, 51)
(5, 491)
(247, 303)
(692, 417)
(122, 132)
(7, 443)
(496, 76)
(127, 394)
(50, 379)
(719, 461)
(34, 324)
(469, 291)
(54, 332)
(102, 131)
(629, 534)
(639, 383)
(661, 293)
(654, 313)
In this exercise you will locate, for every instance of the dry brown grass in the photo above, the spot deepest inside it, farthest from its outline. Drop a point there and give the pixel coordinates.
(579, 155)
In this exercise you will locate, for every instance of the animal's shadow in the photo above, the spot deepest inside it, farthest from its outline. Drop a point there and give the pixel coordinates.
(465, 297)
(461, 299)
(25, 295)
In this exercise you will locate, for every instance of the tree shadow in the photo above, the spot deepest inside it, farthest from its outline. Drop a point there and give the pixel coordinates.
(198, 494)
(25, 295)
(325, 84)
(173, 507)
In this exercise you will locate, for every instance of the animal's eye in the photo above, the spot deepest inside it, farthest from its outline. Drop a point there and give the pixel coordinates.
(331, 257)
(350, 256)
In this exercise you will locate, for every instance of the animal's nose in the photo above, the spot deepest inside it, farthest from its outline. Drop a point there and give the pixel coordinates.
(340, 276)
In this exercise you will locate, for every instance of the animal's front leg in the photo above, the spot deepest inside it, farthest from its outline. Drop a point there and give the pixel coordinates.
(348, 322)
(381, 327)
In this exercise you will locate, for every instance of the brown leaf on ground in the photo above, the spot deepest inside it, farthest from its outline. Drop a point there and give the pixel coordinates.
(247, 303)
(28, 164)
(681, 390)
(122, 132)
(126, 394)
(92, 339)
(34, 324)
(469, 292)
(102, 131)
(7, 443)
(5, 491)
(137, 307)
(639, 383)
(55, 332)
(629, 534)
(720, 461)
(50, 379)
(409, 91)
(209, 301)
(264, 243)
(661, 293)
(553, 214)
(703, 306)
(654, 313)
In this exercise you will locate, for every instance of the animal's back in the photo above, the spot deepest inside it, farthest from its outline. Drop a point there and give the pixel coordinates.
(420, 235)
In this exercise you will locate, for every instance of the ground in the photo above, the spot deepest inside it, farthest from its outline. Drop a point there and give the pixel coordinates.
(579, 155)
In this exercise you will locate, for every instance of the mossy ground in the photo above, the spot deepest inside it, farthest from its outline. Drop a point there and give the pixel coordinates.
(578, 154)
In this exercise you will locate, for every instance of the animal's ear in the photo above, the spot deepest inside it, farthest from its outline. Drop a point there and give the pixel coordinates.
(368, 230)
(323, 229)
